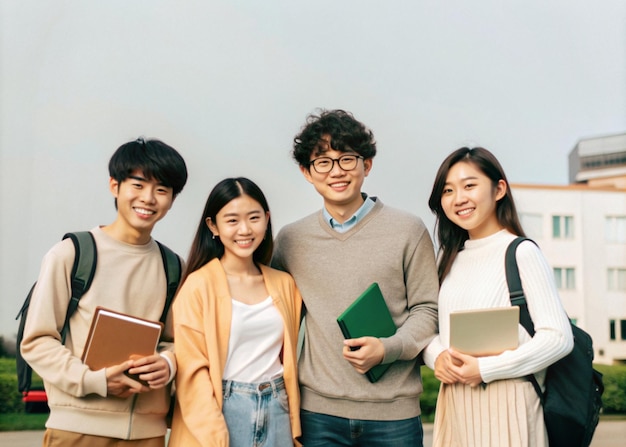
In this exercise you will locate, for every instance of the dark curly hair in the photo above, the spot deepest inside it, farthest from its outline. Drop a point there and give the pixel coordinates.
(346, 134)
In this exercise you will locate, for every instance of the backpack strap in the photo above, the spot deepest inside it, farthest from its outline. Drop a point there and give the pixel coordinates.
(173, 271)
(516, 292)
(84, 269)
(24, 371)
(82, 272)
(517, 297)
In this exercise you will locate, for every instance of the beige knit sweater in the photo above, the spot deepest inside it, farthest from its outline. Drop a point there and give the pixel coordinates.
(129, 279)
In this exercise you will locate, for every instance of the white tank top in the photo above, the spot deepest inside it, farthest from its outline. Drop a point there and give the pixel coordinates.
(256, 339)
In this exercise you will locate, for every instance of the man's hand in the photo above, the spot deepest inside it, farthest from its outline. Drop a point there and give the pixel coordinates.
(119, 384)
(369, 353)
(153, 369)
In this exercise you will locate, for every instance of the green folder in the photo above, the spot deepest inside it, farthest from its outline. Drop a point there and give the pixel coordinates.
(368, 315)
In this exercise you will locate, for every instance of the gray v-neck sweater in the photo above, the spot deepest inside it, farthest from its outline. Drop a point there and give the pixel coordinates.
(331, 270)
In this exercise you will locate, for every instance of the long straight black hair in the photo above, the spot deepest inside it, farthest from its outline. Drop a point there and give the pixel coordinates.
(450, 236)
(204, 248)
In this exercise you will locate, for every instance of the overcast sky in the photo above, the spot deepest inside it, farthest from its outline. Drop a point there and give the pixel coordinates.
(229, 84)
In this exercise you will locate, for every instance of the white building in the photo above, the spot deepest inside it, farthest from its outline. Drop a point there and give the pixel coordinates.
(581, 229)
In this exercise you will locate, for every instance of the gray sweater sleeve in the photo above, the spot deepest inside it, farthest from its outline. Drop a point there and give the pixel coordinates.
(421, 300)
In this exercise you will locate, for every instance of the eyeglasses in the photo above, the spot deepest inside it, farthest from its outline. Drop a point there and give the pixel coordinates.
(324, 165)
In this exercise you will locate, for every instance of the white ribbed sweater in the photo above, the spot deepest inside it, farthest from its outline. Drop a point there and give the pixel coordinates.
(477, 280)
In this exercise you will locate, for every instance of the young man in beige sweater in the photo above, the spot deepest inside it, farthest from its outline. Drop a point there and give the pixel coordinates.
(106, 407)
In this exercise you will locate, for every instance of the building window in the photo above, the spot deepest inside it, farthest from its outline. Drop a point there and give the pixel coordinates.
(612, 329)
(616, 279)
(565, 278)
(603, 160)
(563, 227)
(615, 229)
(623, 329)
(532, 224)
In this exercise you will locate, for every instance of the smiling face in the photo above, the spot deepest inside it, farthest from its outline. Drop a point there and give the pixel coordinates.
(340, 189)
(469, 200)
(141, 203)
(241, 226)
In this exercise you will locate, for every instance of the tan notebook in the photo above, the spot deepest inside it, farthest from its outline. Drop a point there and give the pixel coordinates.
(114, 337)
(483, 332)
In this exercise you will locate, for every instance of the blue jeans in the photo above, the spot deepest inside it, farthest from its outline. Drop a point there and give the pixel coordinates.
(322, 430)
(257, 414)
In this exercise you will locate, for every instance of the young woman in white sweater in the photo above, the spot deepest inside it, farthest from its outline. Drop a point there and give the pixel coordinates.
(488, 401)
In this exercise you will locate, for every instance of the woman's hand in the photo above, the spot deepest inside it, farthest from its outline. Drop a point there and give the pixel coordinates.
(464, 368)
(443, 365)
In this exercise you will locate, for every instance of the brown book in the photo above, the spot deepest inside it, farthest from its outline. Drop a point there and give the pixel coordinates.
(114, 337)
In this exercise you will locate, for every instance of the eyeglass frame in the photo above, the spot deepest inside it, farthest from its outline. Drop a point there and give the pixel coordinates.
(336, 160)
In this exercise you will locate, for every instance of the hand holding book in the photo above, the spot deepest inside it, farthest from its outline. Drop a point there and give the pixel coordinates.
(115, 338)
(119, 384)
(154, 369)
(363, 353)
(368, 316)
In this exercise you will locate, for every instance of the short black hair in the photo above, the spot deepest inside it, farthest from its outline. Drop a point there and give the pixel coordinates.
(346, 134)
(154, 158)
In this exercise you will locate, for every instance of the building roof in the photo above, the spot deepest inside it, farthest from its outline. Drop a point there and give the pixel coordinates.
(601, 145)
(570, 187)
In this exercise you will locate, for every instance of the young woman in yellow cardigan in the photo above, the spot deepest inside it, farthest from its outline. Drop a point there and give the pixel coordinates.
(236, 325)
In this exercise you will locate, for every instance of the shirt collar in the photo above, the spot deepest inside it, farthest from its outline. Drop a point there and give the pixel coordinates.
(367, 206)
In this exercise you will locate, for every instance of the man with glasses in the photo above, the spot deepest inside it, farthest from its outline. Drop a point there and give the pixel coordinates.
(334, 255)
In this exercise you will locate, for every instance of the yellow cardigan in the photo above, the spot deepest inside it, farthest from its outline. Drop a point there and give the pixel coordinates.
(202, 318)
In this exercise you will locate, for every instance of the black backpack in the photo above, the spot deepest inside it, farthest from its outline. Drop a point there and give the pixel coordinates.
(573, 389)
(82, 276)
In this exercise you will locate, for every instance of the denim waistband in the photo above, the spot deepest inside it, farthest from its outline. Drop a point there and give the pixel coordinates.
(260, 388)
